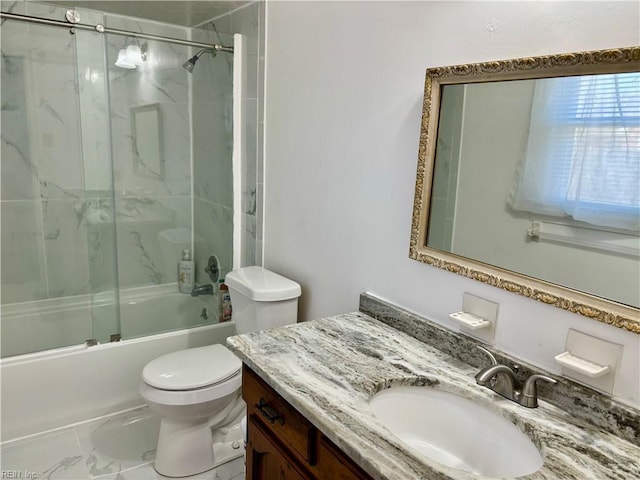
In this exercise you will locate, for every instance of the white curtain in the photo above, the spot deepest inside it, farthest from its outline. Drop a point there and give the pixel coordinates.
(582, 158)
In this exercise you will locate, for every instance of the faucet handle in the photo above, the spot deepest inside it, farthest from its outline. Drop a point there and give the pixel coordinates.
(493, 359)
(530, 391)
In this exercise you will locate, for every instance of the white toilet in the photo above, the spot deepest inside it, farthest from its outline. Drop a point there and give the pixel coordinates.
(197, 391)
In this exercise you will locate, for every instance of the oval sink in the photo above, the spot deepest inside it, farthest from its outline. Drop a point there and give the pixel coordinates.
(456, 432)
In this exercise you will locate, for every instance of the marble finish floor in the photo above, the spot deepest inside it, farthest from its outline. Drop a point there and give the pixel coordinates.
(119, 447)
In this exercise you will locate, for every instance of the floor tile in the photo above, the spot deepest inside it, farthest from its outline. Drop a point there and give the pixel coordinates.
(54, 456)
(119, 443)
(121, 447)
(233, 470)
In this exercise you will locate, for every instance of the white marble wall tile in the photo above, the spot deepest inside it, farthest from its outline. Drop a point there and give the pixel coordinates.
(249, 240)
(213, 174)
(65, 240)
(176, 146)
(119, 443)
(179, 207)
(43, 10)
(161, 81)
(213, 223)
(59, 172)
(22, 247)
(248, 22)
(54, 456)
(94, 111)
(19, 178)
(101, 244)
(52, 101)
(212, 132)
(41, 136)
(259, 253)
(139, 221)
(145, 26)
(214, 31)
(13, 6)
(55, 12)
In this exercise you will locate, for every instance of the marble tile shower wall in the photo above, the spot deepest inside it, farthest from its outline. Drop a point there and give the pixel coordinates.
(65, 120)
(212, 155)
(57, 212)
(147, 204)
(249, 21)
(44, 205)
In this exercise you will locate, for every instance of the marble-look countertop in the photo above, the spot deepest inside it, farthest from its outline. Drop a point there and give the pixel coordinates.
(328, 369)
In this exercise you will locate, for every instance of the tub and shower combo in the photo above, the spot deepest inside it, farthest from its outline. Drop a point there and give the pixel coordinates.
(122, 142)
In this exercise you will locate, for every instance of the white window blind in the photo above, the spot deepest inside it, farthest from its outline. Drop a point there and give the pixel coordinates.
(582, 158)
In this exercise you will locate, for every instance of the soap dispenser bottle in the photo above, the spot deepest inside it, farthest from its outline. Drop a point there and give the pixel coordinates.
(185, 272)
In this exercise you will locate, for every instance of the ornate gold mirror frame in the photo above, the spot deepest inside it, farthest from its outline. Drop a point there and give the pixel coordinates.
(581, 63)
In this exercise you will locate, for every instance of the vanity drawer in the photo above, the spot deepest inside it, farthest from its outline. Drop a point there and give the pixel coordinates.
(277, 416)
(333, 464)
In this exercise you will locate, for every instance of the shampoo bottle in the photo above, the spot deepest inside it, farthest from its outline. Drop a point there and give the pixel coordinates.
(185, 272)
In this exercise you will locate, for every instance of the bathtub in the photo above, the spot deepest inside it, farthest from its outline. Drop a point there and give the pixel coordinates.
(57, 387)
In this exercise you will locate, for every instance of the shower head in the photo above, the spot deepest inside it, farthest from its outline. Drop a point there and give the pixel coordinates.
(189, 64)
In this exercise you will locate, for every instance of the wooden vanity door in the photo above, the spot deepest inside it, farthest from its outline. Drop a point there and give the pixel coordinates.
(265, 460)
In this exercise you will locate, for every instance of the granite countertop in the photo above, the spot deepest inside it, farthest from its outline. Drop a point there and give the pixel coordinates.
(328, 369)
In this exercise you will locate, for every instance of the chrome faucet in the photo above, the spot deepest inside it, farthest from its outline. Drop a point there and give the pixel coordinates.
(502, 380)
(202, 290)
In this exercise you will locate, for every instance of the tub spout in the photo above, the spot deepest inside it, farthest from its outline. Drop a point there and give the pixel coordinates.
(202, 290)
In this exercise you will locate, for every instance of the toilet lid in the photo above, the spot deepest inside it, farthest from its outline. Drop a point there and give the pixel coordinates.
(192, 368)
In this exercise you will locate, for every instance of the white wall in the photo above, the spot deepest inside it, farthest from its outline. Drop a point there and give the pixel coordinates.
(343, 102)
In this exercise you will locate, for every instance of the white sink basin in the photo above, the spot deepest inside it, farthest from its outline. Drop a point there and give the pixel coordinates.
(456, 432)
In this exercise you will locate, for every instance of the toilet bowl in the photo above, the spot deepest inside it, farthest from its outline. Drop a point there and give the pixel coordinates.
(197, 391)
(194, 391)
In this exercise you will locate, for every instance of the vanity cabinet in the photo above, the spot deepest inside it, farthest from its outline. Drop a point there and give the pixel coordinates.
(283, 445)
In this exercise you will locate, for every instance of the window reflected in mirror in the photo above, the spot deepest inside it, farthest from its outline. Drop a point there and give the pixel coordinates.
(532, 170)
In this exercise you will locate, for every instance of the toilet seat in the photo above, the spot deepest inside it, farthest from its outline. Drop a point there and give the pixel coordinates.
(191, 376)
(191, 369)
(191, 397)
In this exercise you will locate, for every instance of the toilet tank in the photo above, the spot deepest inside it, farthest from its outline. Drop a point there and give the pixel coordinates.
(262, 299)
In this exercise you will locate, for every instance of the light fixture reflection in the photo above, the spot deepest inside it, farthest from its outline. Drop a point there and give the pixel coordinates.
(132, 55)
(135, 56)
(122, 60)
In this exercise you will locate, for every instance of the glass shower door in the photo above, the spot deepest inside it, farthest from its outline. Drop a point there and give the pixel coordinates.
(49, 273)
(172, 145)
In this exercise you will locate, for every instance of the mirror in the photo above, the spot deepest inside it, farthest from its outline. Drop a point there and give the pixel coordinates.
(528, 179)
(145, 141)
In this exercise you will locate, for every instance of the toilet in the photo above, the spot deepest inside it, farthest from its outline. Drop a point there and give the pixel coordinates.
(197, 391)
